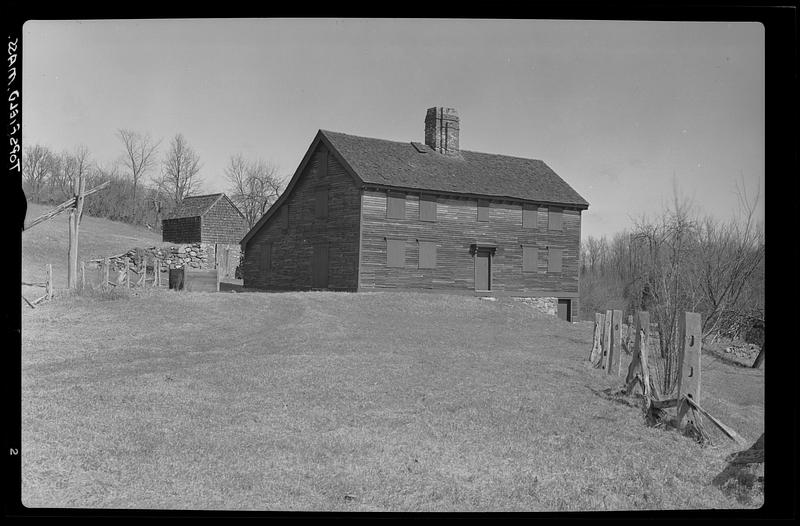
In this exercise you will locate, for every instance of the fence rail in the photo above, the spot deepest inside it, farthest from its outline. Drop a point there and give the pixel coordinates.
(47, 284)
(147, 271)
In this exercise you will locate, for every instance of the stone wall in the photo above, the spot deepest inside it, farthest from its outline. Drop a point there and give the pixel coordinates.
(545, 305)
(198, 256)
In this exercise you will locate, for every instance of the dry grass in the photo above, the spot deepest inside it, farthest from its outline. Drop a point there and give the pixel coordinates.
(49, 243)
(354, 402)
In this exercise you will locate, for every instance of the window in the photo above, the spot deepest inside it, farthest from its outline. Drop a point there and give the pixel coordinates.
(395, 206)
(554, 259)
(530, 216)
(266, 258)
(427, 208)
(283, 220)
(322, 159)
(321, 203)
(554, 218)
(427, 254)
(395, 252)
(530, 259)
(483, 210)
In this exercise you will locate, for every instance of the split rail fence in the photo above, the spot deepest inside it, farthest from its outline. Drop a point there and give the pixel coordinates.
(47, 284)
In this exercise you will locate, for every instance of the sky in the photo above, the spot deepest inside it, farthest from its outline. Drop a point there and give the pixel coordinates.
(623, 111)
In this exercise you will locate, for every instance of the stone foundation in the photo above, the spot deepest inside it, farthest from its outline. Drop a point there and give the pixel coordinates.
(544, 305)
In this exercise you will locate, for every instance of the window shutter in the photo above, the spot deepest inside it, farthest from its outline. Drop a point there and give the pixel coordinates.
(483, 210)
(530, 259)
(284, 220)
(395, 206)
(266, 258)
(530, 216)
(427, 208)
(554, 218)
(321, 203)
(427, 254)
(322, 158)
(554, 259)
(395, 252)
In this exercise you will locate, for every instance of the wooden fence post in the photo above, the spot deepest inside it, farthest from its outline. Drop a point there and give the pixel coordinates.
(49, 283)
(106, 270)
(83, 275)
(607, 339)
(691, 339)
(641, 347)
(596, 352)
(630, 338)
(157, 272)
(614, 358)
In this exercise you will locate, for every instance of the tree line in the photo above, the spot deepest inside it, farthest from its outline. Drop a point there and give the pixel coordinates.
(146, 184)
(676, 262)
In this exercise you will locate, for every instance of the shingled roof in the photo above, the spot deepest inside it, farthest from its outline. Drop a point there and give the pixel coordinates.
(195, 205)
(416, 166)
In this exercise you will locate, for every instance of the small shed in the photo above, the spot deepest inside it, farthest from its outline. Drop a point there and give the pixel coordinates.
(209, 218)
(213, 225)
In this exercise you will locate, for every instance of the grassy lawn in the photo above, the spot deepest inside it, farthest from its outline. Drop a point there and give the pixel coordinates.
(355, 402)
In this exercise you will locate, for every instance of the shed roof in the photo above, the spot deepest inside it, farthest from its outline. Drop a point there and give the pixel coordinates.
(196, 205)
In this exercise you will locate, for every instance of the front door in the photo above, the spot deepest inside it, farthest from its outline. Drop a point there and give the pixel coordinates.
(319, 267)
(483, 270)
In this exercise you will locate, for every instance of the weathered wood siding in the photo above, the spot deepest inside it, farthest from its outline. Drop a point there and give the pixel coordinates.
(293, 248)
(455, 229)
(181, 230)
(223, 224)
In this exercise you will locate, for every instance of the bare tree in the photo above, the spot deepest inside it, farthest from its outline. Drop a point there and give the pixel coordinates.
(255, 185)
(139, 158)
(180, 168)
(37, 164)
(730, 256)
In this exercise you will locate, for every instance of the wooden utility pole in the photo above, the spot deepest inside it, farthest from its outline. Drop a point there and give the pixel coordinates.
(79, 188)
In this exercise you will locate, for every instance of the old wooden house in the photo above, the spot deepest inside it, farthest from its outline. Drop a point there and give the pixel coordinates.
(212, 222)
(365, 214)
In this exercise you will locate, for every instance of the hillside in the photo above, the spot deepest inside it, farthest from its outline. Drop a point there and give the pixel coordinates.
(351, 402)
(49, 243)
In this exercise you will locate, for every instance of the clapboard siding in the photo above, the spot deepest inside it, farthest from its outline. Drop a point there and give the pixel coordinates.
(293, 248)
(455, 229)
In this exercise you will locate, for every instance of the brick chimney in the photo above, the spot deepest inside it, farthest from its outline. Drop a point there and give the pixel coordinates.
(441, 130)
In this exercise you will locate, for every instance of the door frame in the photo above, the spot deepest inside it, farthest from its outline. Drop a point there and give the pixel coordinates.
(568, 303)
(489, 250)
(315, 262)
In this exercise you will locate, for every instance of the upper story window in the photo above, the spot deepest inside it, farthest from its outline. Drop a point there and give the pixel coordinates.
(483, 210)
(283, 217)
(322, 159)
(530, 216)
(321, 203)
(395, 206)
(427, 208)
(555, 217)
